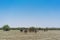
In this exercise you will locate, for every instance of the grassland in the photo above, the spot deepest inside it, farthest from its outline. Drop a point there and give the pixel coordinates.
(41, 35)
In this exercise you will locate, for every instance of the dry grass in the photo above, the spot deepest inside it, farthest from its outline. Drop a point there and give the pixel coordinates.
(17, 35)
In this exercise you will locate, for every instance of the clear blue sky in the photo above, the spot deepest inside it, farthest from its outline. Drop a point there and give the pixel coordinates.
(40, 13)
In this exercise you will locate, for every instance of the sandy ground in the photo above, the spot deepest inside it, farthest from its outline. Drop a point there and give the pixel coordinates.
(41, 35)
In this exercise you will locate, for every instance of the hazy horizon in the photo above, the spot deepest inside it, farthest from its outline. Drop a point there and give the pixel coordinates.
(26, 13)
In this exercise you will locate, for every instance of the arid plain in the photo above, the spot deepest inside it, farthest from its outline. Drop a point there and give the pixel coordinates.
(40, 35)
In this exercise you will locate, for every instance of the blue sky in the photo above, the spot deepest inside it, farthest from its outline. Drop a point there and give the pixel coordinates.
(20, 13)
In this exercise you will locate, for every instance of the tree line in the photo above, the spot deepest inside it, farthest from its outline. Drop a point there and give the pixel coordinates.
(7, 28)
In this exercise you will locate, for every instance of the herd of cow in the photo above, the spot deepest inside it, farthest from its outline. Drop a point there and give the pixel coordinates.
(31, 30)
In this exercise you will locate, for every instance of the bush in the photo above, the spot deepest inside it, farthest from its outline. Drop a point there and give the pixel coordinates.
(6, 28)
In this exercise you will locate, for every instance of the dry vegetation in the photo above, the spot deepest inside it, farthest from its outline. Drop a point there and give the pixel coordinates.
(41, 35)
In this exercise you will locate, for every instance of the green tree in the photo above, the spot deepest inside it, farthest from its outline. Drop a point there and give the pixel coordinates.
(6, 28)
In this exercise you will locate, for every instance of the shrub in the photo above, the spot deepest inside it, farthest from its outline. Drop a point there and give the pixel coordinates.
(6, 28)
